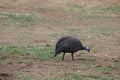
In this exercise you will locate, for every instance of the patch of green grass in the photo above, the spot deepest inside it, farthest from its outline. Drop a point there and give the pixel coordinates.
(52, 20)
(43, 52)
(76, 8)
(106, 69)
(103, 10)
(98, 17)
(102, 30)
(28, 78)
(73, 77)
(12, 49)
(17, 19)
(85, 66)
(92, 76)
(114, 9)
(96, 77)
(37, 52)
(72, 29)
(16, 50)
(13, 0)
(92, 17)
(86, 77)
(53, 35)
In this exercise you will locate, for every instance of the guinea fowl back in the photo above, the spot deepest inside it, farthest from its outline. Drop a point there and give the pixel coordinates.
(68, 44)
(59, 41)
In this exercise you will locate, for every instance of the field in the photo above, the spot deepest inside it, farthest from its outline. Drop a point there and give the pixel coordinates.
(29, 30)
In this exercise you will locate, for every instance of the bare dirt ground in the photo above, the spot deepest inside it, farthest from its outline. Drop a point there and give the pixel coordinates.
(100, 31)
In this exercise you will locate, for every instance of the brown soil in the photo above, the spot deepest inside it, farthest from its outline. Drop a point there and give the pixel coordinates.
(105, 48)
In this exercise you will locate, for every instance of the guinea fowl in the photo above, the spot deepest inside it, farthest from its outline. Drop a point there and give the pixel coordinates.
(69, 45)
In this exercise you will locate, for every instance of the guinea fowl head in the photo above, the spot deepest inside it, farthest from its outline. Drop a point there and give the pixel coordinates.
(87, 48)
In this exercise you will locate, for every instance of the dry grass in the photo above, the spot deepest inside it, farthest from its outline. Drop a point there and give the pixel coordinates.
(30, 29)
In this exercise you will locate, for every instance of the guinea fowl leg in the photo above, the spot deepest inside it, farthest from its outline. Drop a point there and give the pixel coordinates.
(72, 56)
(63, 56)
